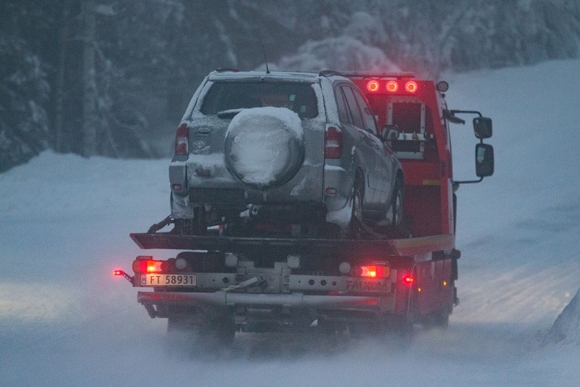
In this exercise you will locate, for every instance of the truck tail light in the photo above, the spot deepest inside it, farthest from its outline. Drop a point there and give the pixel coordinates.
(145, 265)
(182, 140)
(332, 142)
(373, 271)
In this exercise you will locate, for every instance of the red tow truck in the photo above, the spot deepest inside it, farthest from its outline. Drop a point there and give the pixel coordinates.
(331, 284)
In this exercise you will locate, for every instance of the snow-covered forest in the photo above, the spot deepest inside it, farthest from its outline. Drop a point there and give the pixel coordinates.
(112, 77)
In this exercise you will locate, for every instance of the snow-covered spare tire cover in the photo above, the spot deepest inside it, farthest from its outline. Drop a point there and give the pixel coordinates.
(264, 147)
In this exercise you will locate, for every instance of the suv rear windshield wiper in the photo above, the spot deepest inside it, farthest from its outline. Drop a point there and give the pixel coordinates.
(230, 113)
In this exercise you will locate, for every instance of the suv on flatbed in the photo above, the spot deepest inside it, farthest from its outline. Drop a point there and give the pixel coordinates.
(283, 154)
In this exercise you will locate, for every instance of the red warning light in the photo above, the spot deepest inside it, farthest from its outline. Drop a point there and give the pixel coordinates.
(408, 280)
(373, 86)
(392, 86)
(411, 86)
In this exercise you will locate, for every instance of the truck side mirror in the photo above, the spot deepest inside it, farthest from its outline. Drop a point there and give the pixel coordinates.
(482, 127)
(484, 160)
(390, 132)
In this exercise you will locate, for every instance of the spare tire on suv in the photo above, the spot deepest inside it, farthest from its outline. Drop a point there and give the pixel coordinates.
(264, 147)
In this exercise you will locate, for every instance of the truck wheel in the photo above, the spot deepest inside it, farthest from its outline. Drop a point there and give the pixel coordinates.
(437, 319)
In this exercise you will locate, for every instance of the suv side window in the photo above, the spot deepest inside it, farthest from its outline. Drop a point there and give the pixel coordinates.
(352, 107)
(367, 114)
(343, 115)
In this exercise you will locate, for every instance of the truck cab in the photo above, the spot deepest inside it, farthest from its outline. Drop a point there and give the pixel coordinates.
(415, 120)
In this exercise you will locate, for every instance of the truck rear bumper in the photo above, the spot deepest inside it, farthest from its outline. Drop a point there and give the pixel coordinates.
(376, 304)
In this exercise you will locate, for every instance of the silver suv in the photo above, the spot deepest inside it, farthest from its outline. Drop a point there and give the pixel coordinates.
(283, 154)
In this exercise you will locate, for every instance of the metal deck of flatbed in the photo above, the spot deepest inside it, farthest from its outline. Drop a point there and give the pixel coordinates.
(396, 247)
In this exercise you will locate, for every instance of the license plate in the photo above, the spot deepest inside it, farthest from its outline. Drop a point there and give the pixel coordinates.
(168, 280)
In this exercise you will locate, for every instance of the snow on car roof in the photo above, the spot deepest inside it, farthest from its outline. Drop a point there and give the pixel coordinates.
(277, 75)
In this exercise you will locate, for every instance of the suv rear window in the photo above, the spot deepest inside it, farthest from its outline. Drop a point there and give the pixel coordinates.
(298, 97)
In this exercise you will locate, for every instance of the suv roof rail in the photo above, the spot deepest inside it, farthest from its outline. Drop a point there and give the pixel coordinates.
(330, 73)
(378, 75)
(226, 69)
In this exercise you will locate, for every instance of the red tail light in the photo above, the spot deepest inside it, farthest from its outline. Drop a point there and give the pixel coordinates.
(373, 271)
(332, 142)
(182, 140)
(149, 265)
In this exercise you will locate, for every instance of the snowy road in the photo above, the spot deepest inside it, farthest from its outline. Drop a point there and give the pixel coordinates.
(66, 321)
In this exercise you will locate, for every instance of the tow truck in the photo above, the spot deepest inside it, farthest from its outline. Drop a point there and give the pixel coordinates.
(219, 284)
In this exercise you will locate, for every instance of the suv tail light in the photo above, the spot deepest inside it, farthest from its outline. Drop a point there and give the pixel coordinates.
(182, 140)
(332, 142)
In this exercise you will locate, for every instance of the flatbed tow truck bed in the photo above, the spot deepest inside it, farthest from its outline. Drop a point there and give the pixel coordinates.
(393, 247)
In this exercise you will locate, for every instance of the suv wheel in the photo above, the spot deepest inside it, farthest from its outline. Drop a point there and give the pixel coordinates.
(397, 206)
(356, 220)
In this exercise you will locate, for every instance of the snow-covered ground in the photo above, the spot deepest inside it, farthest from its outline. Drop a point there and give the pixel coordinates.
(66, 321)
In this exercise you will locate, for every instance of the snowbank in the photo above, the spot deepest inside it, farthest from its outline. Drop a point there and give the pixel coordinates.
(566, 328)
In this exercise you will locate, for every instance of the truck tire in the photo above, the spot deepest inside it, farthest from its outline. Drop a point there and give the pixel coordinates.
(262, 150)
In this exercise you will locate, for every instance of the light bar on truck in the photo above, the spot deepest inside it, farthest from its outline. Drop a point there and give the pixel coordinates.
(392, 86)
(373, 86)
(411, 86)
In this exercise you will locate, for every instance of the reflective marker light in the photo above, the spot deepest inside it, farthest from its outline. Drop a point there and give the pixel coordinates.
(392, 86)
(344, 267)
(293, 261)
(231, 260)
(373, 86)
(411, 86)
(180, 264)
